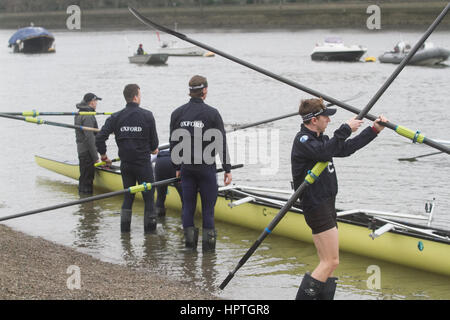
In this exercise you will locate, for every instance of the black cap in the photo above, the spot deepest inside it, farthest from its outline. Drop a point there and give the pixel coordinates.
(88, 97)
(322, 112)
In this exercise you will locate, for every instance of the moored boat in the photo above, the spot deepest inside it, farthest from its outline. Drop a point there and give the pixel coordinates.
(151, 59)
(364, 232)
(173, 49)
(32, 40)
(427, 55)
(333, 49)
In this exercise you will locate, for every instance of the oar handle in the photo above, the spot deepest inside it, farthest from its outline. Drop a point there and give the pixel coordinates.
(102, 163)
(310, 178)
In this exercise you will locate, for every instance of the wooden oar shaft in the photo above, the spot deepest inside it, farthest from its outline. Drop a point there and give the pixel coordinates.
(291, 83)
(309, 179)
(51, 123)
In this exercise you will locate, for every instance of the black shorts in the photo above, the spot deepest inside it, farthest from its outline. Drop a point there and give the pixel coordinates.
(322, 217)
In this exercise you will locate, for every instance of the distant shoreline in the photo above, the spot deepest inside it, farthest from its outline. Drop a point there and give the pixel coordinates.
(416, 15)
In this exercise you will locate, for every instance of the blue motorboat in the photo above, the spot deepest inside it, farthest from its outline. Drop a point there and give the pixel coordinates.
(32, 40)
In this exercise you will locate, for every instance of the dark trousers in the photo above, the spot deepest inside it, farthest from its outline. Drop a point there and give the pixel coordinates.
(164, 170)
(201, 179)
(138, 172)
(87, 172)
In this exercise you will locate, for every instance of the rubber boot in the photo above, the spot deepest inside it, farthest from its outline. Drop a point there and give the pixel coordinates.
(149, 221)
(209, 237)
(329, 289)
(191, 237)
(160, 212)
(125, 220)
(310, 288)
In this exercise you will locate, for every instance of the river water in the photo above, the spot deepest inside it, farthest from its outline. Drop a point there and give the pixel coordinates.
(373, 178)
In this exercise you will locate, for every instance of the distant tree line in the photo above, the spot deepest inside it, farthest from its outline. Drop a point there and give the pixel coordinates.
(58, 5)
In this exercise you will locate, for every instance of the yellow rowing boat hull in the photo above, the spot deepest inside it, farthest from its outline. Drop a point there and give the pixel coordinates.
(428, 255)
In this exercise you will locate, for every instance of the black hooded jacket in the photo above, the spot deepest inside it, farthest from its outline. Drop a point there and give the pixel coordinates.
(308, 149)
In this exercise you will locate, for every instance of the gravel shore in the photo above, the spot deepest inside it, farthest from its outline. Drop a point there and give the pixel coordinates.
(34, 268)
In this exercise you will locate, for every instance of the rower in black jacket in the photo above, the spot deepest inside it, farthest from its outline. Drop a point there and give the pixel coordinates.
(318, 200)
(136, 137)
(197, 134)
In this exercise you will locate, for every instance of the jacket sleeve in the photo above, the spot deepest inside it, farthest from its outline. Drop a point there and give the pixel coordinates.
(323, 150)
(224, 155)
(90, 137)
(358, 142)
(103, 135)
(173, 126)
(154, 142)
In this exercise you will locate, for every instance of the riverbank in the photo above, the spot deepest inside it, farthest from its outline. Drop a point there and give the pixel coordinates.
(286, 16)
(34, 268)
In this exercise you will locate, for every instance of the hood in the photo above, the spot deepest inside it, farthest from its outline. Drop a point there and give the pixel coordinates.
(83, 106)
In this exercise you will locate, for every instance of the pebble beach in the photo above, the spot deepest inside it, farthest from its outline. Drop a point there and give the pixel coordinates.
(32, 268)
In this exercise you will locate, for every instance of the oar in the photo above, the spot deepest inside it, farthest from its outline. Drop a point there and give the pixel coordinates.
(102, 163)
(312, 175)
(254, 124)
(421, 156)
(51, 123)
(310, 178)
(34, 113)
(415, 136)
(138, 188)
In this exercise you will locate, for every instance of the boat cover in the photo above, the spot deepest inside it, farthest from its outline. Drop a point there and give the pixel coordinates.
(28, 33)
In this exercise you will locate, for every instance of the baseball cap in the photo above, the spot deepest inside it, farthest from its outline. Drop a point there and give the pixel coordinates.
(88, 97)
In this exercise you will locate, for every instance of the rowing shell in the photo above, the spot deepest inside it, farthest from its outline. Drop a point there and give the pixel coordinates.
(359, 233)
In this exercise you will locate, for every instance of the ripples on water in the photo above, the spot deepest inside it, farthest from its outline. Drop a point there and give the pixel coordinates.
(372, 178)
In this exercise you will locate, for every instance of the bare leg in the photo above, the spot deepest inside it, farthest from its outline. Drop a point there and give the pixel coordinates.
(327, 245)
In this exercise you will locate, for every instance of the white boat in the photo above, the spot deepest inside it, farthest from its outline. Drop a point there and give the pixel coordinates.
(173, 49)
(153, 59)
(427, 55)
(333, 49)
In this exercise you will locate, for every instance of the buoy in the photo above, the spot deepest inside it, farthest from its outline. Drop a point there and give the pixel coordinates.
(370, 59)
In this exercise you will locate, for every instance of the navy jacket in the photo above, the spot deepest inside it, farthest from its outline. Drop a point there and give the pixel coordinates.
(135, 133)
(198, 116)
(308, 149)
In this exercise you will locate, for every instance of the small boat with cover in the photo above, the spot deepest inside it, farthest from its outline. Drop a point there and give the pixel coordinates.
(369, 233)
(151, 59)
(32, 40)
(427, 55)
